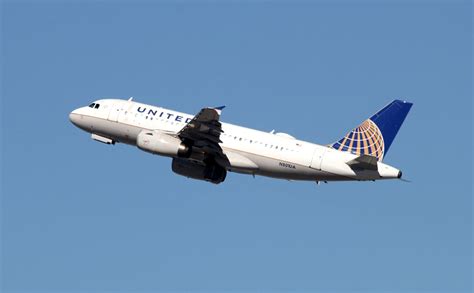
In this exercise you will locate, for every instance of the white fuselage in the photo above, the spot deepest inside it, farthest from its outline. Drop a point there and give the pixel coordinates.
(249, 151)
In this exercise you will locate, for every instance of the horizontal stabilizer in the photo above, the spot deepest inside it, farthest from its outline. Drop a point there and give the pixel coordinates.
(364, 162)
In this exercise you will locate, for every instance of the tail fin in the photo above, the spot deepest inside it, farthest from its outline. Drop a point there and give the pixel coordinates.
(375, 135)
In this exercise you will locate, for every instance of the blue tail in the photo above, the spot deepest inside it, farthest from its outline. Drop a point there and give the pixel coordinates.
(375, 135)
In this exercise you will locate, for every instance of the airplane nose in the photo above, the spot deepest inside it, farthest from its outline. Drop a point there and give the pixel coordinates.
(74, 117)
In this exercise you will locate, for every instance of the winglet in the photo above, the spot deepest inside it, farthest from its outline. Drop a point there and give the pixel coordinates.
(219, 109)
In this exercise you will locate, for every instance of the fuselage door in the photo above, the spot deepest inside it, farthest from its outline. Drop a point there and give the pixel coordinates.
(317, 158)
(115, 110)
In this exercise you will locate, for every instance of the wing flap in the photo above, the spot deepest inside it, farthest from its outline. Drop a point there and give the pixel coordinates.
(204, 131)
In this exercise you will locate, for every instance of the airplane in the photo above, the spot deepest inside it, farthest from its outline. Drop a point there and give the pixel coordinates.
(204, 148)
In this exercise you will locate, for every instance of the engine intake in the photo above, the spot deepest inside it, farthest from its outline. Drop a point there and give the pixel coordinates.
(211, 172)
(159, 143)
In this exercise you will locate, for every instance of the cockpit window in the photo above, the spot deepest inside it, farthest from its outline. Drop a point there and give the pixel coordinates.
(92, 105)
(97, 106)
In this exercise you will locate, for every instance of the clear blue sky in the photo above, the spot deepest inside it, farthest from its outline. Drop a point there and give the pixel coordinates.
(81, 216)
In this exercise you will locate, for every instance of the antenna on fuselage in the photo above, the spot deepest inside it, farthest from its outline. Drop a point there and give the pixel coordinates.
(130, 99)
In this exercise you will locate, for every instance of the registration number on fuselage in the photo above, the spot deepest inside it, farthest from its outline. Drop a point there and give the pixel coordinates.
(286, 165)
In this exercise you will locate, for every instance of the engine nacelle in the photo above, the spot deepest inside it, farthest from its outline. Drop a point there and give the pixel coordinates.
(211, 172)
(159, 143)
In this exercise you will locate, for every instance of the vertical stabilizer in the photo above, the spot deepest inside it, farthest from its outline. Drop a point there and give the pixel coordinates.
(375, 135)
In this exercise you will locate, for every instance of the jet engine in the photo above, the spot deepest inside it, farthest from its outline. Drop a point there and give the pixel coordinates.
(159, 143)
(210, 171)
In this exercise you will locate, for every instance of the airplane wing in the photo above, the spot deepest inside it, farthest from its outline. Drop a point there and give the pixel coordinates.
(363, 162)
(204, 131)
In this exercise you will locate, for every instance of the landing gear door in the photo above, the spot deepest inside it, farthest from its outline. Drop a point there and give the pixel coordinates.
(115, 111)
(317, 158)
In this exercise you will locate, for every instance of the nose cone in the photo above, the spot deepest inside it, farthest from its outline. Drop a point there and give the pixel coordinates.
(74, 117)
(78, 117)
